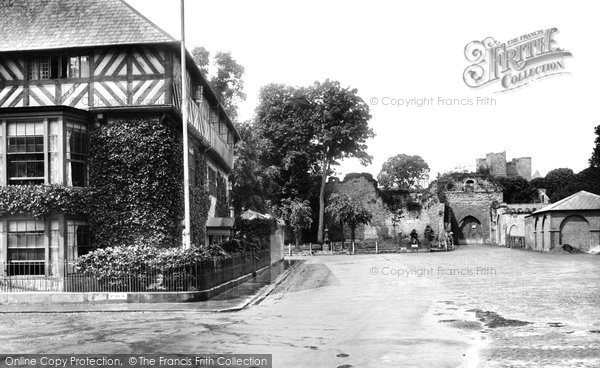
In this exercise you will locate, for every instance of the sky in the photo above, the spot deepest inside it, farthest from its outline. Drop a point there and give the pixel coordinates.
(398, 50)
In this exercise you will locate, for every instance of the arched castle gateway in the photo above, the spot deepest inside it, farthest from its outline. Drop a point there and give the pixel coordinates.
(469, 200)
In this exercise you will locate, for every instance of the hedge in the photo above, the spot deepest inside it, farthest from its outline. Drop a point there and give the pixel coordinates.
(141, 260)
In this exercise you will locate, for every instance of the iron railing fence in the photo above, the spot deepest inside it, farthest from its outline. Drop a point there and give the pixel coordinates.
(367, 246)
(40, 276)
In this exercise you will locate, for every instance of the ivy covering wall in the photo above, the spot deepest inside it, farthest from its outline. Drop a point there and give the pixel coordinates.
(136, 192)
(136, 173)
(199, 201)
(40, 201)
(222, 207)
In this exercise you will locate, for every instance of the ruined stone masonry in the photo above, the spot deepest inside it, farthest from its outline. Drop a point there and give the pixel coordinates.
(498, 166)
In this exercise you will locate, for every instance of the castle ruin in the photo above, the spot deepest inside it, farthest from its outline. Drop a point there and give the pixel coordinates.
(497, 165)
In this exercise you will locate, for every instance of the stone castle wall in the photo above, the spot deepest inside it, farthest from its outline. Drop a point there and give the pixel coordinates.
(498, 166)
(496, 163)
(382, 225)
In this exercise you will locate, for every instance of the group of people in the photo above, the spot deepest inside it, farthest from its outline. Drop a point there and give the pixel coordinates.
(448, 238)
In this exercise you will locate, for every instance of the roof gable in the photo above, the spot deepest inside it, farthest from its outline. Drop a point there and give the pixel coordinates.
(53, 24)
(579, 201)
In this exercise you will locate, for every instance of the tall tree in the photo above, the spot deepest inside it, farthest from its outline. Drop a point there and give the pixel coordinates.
(306, 131)
(559, 183)
(285, 155)
(345, 209)
(595, 159)
(340, 123)
(201, 57)
(226, 81)
(297, 215)
(518, 190)
(247, 179)
(403, 171)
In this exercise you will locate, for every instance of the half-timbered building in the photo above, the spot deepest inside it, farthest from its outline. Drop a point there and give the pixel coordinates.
(66, 65)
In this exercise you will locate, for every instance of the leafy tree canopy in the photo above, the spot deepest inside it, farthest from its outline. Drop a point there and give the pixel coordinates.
(403, 171)
(518, 190)
(557, 183)
(595, 159)
(306, 131)
(348, 210)
(247, 179)
(297, 215)
(226, 80)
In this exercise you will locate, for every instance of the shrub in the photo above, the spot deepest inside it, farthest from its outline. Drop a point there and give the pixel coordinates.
(255, 230)
(241, 246)
(140, 260)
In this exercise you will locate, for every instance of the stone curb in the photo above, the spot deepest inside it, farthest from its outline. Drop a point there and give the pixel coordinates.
(238, 308)
(261, 295)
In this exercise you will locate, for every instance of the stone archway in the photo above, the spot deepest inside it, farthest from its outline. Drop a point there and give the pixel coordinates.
(470, 231)
(575, 231)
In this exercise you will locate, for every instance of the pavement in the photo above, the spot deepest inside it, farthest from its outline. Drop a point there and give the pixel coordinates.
(232, 300)
(479, 306)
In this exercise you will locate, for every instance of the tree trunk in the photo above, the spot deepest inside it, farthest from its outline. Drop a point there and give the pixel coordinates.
(296, 236)
(343, 237)
(352, 228)
(322, 196)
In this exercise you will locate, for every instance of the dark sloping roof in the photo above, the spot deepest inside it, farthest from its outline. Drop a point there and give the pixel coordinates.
(220, 222)
(50, 24)
(579, 201)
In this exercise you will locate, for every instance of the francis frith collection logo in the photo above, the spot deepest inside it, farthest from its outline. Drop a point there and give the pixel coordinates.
(514, 63)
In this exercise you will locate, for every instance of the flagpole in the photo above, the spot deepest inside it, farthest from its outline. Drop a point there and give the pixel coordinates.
(187, 243)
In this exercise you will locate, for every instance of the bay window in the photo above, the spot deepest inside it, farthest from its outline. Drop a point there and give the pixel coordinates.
(39, 151)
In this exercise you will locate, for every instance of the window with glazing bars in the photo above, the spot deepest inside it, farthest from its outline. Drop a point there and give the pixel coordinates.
(26, 248)
(77, 155)
(25, 152)
(78, 239)
(212, 181)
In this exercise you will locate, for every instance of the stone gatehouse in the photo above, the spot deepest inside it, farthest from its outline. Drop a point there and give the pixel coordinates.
(468, 204)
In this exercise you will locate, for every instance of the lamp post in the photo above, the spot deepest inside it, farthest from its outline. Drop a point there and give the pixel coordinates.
(187, 240)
